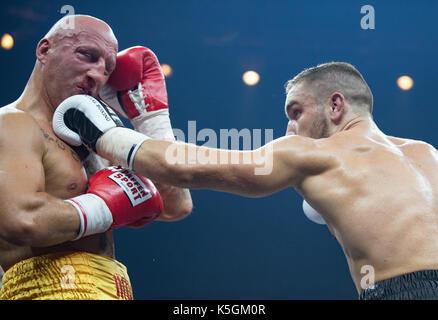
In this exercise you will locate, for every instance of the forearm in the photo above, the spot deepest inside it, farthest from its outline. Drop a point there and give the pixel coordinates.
(248, 173)
(42, 220)
(193, 167)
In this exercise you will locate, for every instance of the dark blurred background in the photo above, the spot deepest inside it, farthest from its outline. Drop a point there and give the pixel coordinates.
(232, 247)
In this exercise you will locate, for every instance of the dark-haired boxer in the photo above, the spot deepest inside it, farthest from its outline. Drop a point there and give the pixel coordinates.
(378, 194)
(55, 223)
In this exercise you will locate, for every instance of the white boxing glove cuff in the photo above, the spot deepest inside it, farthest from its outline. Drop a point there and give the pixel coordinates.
(154, 124)
(94, 214)
(119, 145)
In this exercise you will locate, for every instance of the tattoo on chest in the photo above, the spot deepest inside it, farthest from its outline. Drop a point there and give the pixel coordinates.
(60, 145)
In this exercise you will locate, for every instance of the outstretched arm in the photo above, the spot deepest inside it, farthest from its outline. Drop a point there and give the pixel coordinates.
(279, 164)
(177, 202)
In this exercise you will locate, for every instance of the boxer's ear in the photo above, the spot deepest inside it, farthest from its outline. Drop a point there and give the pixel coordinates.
(42, 50)
(337, 104)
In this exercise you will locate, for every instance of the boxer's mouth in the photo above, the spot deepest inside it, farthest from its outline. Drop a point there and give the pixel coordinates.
(83, 90)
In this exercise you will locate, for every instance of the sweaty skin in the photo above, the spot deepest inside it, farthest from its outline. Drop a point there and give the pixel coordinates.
(379, 198)
(378, 194)
(38, 170)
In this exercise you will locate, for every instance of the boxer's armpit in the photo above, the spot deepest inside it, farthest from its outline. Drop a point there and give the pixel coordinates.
(93, 163)
(90, 167)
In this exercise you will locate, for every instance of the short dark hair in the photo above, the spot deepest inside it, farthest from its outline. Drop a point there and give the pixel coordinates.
(336, 76)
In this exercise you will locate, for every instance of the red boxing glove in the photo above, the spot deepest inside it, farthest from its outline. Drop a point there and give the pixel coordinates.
(116, 197)
(137, 90)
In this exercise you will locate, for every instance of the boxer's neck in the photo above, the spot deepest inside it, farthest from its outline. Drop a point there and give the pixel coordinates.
(359, 124)
(35, 99)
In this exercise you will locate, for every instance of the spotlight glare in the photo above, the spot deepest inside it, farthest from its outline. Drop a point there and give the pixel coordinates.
(7, 41)
(405, 82)
(251, 78)
(167, 70)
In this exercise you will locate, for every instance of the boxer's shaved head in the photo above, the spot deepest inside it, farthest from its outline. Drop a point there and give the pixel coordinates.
(322, 99)
(71, 25)
(76, 56)
(323, 80)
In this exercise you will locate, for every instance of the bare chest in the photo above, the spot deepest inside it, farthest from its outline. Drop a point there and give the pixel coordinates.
(65, 175)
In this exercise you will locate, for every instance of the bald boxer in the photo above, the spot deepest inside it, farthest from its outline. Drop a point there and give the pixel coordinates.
(377, 194)
(55, 223)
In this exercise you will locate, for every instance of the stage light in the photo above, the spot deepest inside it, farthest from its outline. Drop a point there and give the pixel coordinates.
(167, 70)
(251, 78)
(405, 82)
(7, 41)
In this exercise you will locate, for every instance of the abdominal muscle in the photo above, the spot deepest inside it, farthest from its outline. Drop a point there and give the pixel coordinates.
(379, 203)
(101, 244)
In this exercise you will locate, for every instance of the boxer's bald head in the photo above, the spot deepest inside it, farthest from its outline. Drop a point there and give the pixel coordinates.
(76, 56)
(72, 25)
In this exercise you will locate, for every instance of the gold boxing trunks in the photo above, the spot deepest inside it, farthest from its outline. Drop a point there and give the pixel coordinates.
(67, 276)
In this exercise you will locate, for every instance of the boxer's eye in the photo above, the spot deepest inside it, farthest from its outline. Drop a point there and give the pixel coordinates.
(88, 55)
(84, 53)
(296, 113)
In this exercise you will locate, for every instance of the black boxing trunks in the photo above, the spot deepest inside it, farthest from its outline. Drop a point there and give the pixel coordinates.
(418, 285)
